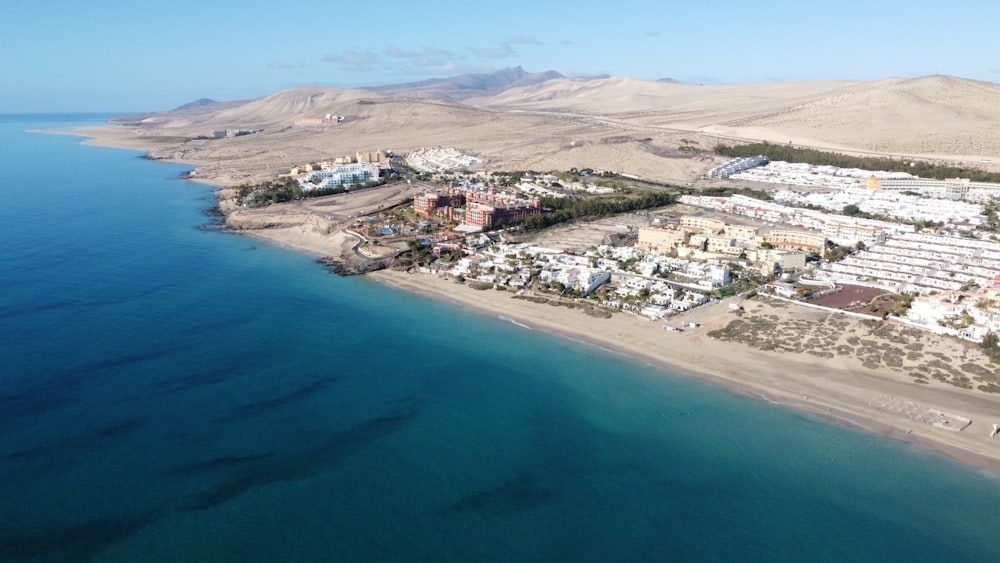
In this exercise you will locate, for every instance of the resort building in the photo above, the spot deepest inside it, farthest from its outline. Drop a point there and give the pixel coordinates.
(349, 175)
(427, 203)
(841, 229)
(795, 239)
(484, 208)
(921, 264)
(849, 234)
(706, 225)
(722, 245)
(374, 156)
(951, 188)
(736, 166)
(440, 160)
(746, 232)
(660, 239)
(771, 260)
(480, 214)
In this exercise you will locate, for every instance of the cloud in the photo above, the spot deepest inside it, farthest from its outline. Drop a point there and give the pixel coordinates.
(501, 51)
(423, 61)
(393, 51)
(427, 60)
(993, 70)
(425, 52)
(504, 49)
(567, 42)
(279, 65)
(359, 60)
(653, 34)
(524, 40)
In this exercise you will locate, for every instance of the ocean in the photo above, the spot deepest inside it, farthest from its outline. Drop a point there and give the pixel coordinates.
(172, 392)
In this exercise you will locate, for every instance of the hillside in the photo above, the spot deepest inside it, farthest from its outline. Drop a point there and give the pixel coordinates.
(932, 116)
(614, 123)
(926, 115)
(465, 86)
(290, 133)
(622, 95)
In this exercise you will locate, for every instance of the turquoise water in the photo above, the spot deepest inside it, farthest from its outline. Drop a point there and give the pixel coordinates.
(170, 392)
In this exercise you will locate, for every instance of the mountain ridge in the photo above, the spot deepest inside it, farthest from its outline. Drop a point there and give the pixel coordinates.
(458, 88)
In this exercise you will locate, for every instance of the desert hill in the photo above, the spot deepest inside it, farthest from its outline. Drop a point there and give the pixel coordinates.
(926, 115)
(290, 133)
(613, 123)
(188, 111)
(932, 116)
(277, 110)
(200, 103)
(465, 86)
(622, 95)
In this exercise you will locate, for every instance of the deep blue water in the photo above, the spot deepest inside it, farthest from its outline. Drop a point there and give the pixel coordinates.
(169, 392)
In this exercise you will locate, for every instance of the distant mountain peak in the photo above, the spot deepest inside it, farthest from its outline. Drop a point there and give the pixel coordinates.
(458, 88)
(200, 102)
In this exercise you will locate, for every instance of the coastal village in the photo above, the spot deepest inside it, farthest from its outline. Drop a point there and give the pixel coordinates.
(927, 260)
(874, 267)
(584, 259)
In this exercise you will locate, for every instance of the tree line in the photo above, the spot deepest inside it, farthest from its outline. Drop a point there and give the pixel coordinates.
(286, 189)
(564, 210)
(789, 153)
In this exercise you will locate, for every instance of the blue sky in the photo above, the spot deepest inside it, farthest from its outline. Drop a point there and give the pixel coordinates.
(112, 55)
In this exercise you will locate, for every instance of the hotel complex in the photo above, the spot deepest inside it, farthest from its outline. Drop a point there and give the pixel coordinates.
(952, 188)
(347, 175)
(483, 208)
(344, 171)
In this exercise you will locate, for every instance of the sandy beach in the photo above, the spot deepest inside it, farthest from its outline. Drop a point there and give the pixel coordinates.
(806, 358)
(841, 389)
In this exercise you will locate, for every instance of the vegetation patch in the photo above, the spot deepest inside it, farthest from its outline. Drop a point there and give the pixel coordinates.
(564, 210)
(823, 158)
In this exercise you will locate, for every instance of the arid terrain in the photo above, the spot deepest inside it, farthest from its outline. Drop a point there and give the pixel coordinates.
(620, 124)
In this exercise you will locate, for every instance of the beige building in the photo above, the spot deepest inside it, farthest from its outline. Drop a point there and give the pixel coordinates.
(704, 224)
(768, 258)
(698, 242)
(660, 239)
(722, 245)
(375, 156)
(801, 240)
(841, 233)
(740, 231)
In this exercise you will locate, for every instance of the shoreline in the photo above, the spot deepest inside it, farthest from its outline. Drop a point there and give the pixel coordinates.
(828, 398)
(837, 390)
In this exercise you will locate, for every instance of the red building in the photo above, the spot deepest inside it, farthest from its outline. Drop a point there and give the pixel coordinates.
(485, 208)
(428, 203)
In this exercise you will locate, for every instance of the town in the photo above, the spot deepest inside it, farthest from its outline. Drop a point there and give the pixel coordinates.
(918, 251)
